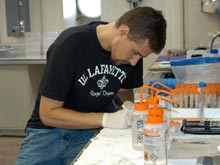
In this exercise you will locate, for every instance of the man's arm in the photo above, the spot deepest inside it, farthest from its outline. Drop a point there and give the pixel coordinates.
(53, 114)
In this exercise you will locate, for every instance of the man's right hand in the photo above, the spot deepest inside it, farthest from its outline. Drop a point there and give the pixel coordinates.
(116, 120)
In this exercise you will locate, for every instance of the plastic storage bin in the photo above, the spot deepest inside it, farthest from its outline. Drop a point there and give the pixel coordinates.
(194, 70)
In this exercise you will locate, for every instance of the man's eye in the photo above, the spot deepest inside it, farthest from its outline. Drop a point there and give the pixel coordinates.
(135, 53)
(138, 54)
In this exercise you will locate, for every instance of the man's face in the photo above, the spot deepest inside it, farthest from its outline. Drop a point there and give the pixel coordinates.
(126, 51)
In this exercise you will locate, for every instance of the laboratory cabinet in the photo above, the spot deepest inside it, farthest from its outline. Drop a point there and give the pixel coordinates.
(18, 90)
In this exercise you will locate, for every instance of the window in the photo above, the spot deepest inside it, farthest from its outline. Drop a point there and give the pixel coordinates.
(78, 12)
(89, 8)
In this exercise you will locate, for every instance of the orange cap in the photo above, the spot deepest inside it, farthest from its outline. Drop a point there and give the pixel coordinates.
(150, 101)
(155, 116)
(140, 106)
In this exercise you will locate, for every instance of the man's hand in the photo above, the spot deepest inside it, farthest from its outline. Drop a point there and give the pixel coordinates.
(119, 119)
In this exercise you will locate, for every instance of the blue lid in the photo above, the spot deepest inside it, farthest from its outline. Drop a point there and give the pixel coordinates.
(214, 51)
(195, 61)
(170, 82)
(202, 84)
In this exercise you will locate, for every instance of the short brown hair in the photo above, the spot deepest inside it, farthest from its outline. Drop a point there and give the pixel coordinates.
(145, 23)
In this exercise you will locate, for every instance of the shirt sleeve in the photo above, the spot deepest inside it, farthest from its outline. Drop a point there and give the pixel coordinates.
(58, 74)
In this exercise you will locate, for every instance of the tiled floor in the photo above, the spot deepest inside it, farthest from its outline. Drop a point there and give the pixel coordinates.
(9, 148)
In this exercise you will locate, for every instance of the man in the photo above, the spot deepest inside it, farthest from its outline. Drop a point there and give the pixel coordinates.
(86, 67)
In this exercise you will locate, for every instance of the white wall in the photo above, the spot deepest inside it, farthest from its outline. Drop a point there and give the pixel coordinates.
(111, 10)
(52, 15)
(35, 15)
(47, 15)
(198, 25)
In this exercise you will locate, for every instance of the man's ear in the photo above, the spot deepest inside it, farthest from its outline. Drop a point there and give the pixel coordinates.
(123, 29)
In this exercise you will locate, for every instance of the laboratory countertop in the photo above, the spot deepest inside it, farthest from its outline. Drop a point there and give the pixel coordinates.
(160, 67)
(114, 147)
(21, 58)
(162, 63)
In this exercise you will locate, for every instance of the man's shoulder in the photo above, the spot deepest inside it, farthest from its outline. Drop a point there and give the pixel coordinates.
(84, 27)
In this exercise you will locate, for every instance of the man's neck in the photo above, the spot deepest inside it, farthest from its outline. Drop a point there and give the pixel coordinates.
(106, 34)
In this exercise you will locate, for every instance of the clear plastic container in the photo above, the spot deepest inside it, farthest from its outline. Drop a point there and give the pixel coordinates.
(32, 43)
(48, 39)
(155, 144)
(155, 137)
(197, 69)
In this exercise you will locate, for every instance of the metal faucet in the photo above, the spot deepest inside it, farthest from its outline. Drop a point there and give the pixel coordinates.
(213, 39)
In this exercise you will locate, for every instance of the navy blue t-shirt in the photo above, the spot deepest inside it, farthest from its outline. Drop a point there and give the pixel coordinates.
(79, 72)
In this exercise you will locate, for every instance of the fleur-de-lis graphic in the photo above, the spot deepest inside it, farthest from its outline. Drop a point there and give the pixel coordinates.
(102, 82)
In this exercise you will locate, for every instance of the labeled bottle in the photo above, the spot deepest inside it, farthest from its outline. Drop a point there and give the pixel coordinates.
(140, 112)
(138, 119)
(156, 134)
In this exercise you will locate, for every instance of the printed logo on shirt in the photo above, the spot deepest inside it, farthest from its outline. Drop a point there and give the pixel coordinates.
(100, 70)
(103, 82)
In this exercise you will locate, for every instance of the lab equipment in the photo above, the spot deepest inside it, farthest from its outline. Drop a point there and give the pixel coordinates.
(156, 134)
(213, 52)
(170, 82)
(197, 102)
(206, 127)
(202, 160)
(155, 150)
(193, 96)
(213, 40)
(201, 98)
(196, 53)
(18, 17)
(138, 116)
(5, 49)
(141, 111)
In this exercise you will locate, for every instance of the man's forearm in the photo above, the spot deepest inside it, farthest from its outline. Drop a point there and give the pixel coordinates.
(69, 119)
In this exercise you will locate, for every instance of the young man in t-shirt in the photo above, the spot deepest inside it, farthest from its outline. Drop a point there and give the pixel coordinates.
(87, 66)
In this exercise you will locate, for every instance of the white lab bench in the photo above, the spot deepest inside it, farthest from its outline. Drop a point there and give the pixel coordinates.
(20, 76)
(114, 147)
